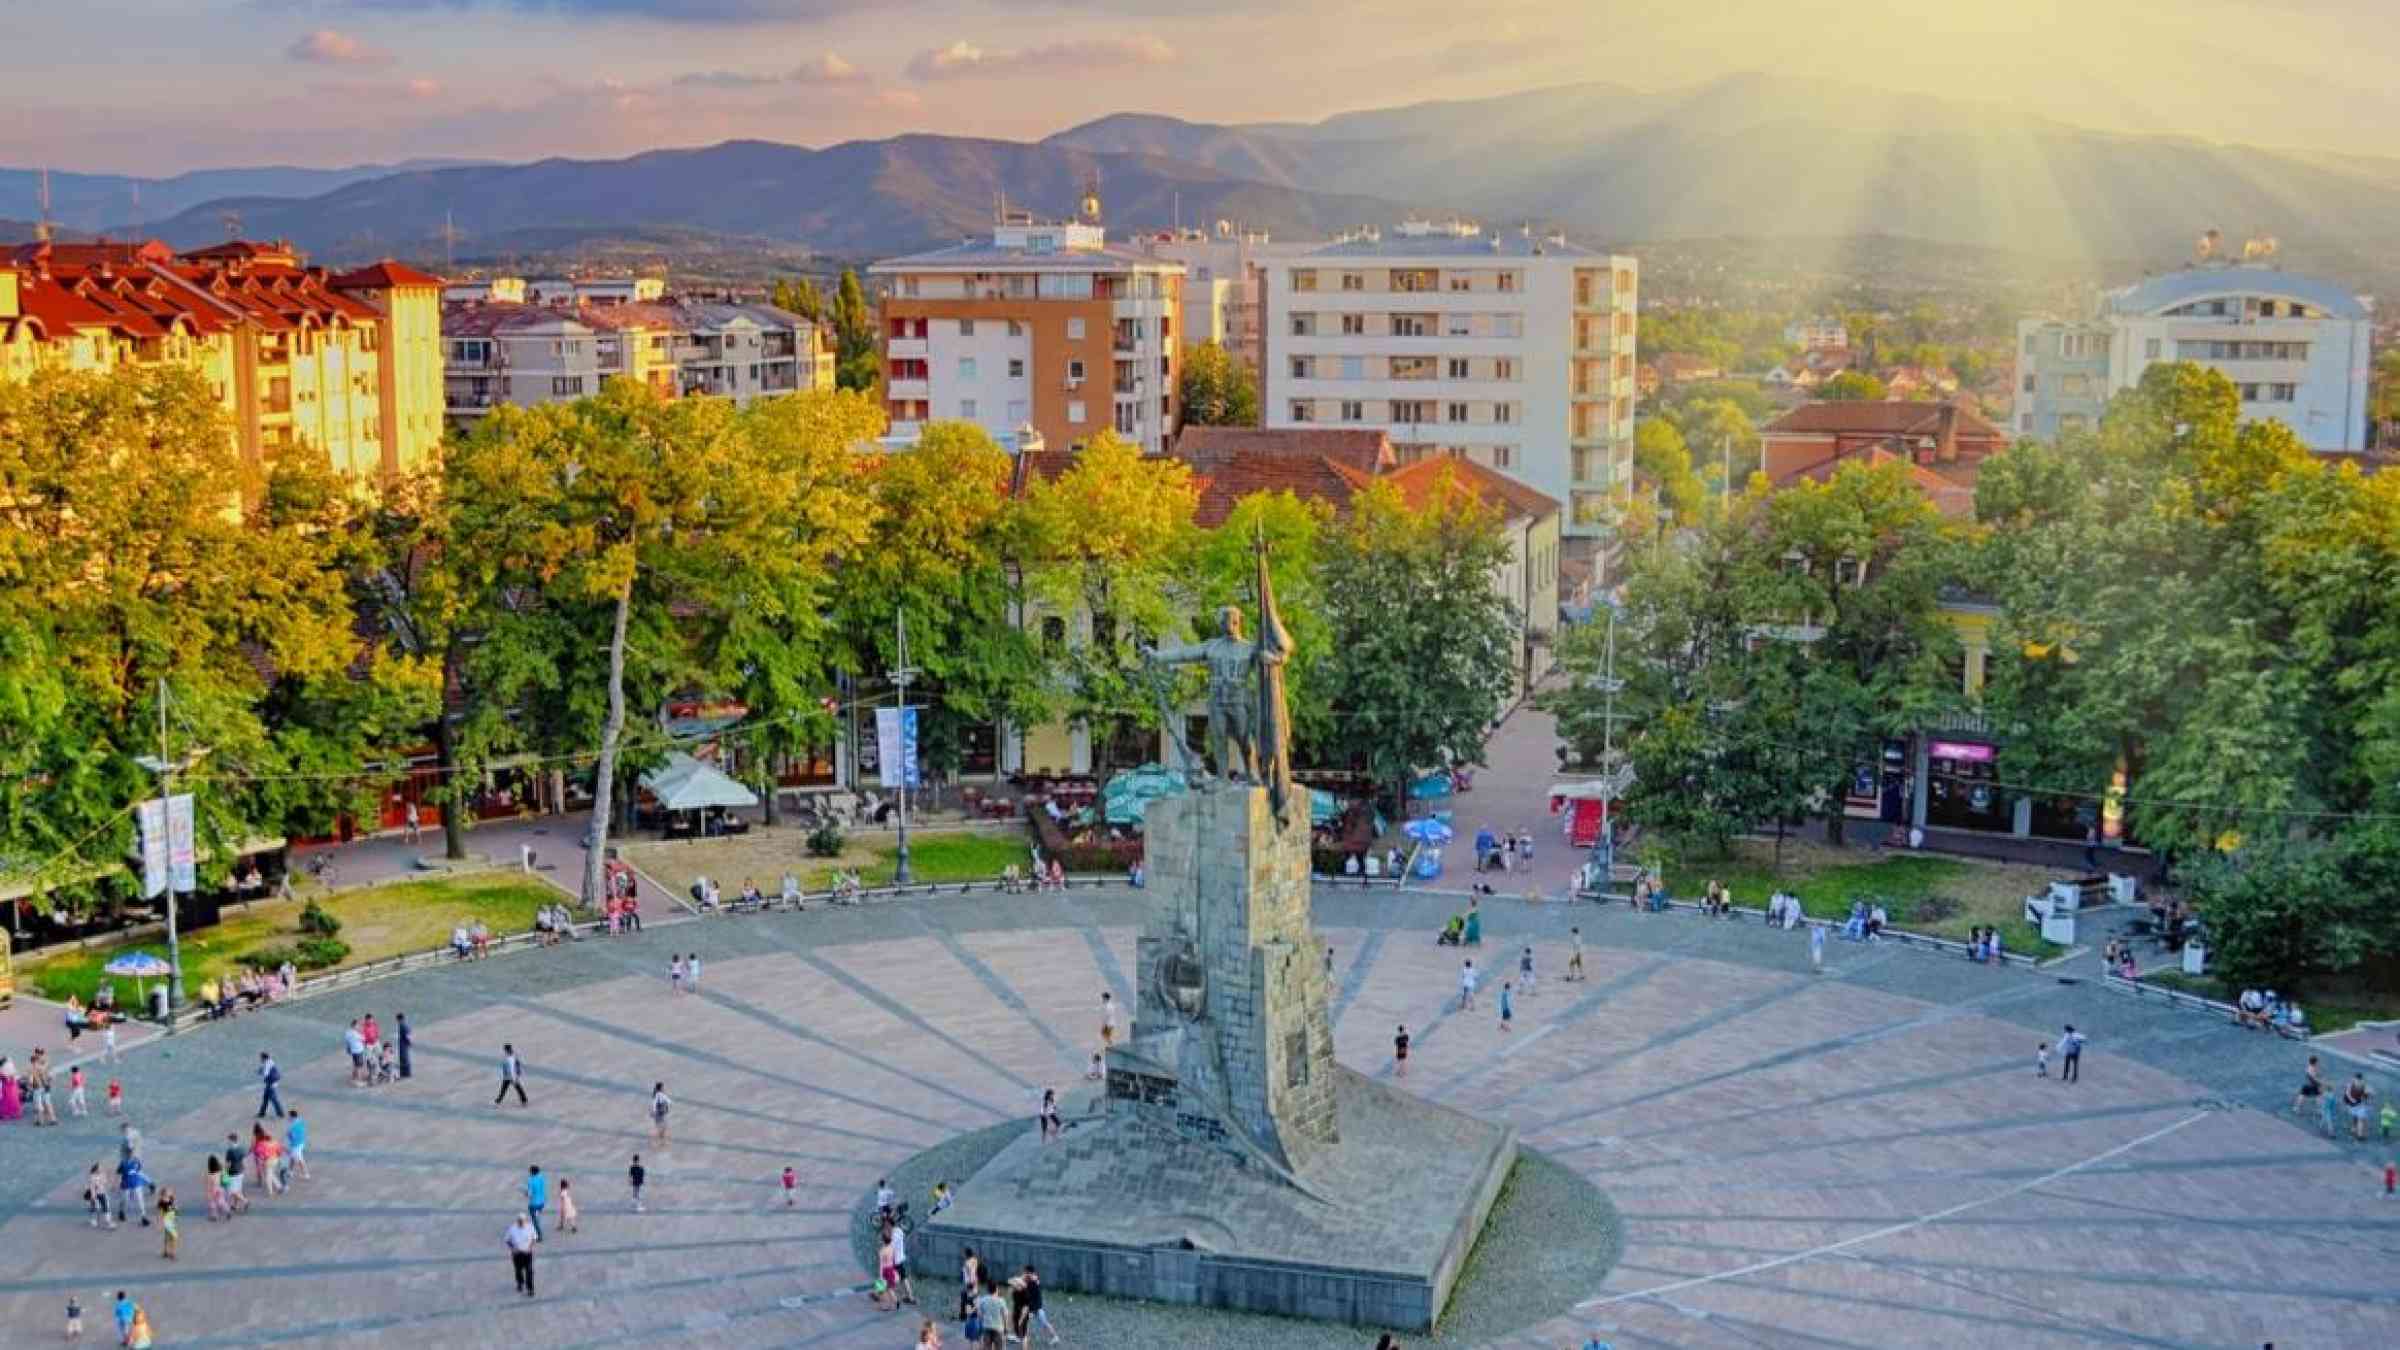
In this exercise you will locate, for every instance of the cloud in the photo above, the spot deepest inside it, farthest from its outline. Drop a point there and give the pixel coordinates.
(964, 59)
(690, 12)
(327, 47)
(828, 68)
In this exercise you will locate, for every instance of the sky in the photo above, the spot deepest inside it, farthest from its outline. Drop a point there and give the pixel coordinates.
(158, 86)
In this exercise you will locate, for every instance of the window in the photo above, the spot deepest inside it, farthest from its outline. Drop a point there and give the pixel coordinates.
(1508, 281)
(2075, 386)
(1303, 411)
(1504, 412)
(1016, 367)
(1458, 412)
(2150, 350)
(2025, 423)
(1304, 278)
(2029, 382)
(566, 386)
(2249, 393)
(2282, 393)
(1504, 369)
(1508, 325)
(1074, 373)
(2029, 344)
(1354, 281)
(966, 367)
(1304, 325)
(966, 328)
(1075, 330)
(1412, 411)
(1016, 412)
(1304, 367)
(1412, 325)
(1353, 410)
(1416, 279)
(1458, 325)
(1015, 329)
(1354, 367)
(966, 409)
(1458, 367)
(1412, 367)
(1504, 456)
(1054, 631)
(1354, 325)
(1075, 411)
(2075, 346)
(1460, 282)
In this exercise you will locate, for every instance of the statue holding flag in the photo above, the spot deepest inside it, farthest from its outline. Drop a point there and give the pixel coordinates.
(1249, 729)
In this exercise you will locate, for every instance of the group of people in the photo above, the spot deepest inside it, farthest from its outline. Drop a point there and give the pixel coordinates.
(1501, 852)
(2263, 1009)
(993, 1311)
(1866, 922)
(2354, 1101)
(470, 939)
(1716, 902)
(1465, 928)
(252, 988)
(374, 1058)
(1041, 875)
(31, 1090)
(1373, 866)
(102, 1017)
(1983, 945)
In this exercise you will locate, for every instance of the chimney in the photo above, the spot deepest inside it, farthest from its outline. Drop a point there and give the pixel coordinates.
(1945, 443)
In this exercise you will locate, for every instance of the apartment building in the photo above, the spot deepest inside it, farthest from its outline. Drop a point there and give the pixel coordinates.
(1045, 329)
(527, 354)
(1512, 350)
(1818, 335)
(348, 362)
(1223, 278)
(2297, 348)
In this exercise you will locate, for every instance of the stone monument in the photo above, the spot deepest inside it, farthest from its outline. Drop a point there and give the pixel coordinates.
(1229, 1160)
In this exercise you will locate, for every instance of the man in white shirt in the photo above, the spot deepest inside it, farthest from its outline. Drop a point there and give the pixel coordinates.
(906, 1291)
(520, 1238)
(355, 1041)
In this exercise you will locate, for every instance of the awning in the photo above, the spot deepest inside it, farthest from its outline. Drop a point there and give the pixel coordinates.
(685, 784)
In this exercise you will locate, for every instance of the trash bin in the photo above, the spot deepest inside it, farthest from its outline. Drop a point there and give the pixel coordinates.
(158, 1003)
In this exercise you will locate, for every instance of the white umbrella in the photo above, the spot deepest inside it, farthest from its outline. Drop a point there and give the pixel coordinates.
(139, 966)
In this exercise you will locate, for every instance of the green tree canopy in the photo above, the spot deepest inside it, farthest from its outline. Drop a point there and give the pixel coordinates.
(1853, 386)
(1218, 388)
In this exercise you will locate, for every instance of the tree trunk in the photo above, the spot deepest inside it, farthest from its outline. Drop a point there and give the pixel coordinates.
(604, 774)
(1779, 845)
(454, 810)
(766, 790)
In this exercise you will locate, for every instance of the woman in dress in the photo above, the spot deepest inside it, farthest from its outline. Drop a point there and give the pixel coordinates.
(12, 1100)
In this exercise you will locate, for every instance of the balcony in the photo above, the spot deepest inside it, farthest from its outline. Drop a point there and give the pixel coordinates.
(902, 349)
(908, 388)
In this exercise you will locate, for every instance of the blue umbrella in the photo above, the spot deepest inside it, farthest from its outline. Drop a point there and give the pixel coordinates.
(139, 966)
(1428, 831)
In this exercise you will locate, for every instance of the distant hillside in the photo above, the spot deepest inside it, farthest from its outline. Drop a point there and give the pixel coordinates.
(1770, 156)
(92, 201)
(854, 199)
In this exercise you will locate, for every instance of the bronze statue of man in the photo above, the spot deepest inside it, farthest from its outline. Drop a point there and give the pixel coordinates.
(1232, 718)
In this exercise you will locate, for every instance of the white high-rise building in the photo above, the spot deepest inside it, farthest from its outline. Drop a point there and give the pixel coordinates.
(1511, 349)
(2297, 349)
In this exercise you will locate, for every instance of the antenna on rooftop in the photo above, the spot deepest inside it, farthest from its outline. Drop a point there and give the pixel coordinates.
(232, 221)
(41, 224)
(449, 242)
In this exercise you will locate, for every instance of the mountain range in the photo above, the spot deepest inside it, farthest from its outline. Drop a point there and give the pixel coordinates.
(1751, 155)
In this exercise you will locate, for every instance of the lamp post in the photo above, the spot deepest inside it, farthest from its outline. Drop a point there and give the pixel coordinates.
(901, 675)
(165, 769)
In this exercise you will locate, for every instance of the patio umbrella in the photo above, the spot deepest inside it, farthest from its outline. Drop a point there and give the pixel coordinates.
(140, 967)
(1428, 831)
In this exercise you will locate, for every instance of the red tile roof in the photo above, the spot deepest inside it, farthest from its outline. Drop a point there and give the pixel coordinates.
(382, 276)
(1952, 494)
(1315, 478)
(1515, 501)
(1853, 417)
(1364, 450)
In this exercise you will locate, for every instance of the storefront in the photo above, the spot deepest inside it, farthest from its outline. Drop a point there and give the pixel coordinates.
(1962, 787)
(1953, 782)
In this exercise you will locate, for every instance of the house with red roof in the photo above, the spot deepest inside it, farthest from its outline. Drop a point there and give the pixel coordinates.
(1943, 443)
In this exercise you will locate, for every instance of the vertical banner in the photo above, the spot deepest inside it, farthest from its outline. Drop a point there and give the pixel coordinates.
(153, 819)
(896, 746)
(182, 844)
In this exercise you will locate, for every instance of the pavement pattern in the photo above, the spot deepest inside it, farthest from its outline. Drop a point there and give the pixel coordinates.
(1862, 1157)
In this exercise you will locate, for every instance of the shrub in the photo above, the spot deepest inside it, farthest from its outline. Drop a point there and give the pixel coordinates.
(825, 841)
(1935, 908)
(315, 921)
(309, 953)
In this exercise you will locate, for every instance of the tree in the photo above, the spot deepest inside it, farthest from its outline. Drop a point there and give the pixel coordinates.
(800, 297)
(858, 357)
(939, 552)
(1853, 386)
(1659, 453)
(1420, 652)
(1223, 571)
(1218, 388)
(1103, 546)
(138, 545)
(638, 511)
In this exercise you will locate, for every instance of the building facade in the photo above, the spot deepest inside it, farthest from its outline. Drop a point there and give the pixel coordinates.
(1224, 277)
(346, 362)
(2297, 348)
(527, 354)
(1512, 351)
(1046, 328)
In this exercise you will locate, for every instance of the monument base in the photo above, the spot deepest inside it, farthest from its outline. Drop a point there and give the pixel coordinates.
(1126, 1207)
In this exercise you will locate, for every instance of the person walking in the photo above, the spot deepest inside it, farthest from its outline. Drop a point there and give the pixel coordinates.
(675, 974)
(1108, 1019)
(1575, 957)
(1400, 1052)
(2312, 1087)
(2070, 1055)
(412, 824)
(1047, 1117)
(95, 1197)
(1816, 947)
(1508, 1007)
(537, 1197)
(1030, 1287)
(133, 1191)
(76, 1104)
(400, 1034)
(660, 1104)
(634, 1177)
(1466, 985)
(270, 1076)
(512, 1076)
(295, 1140)
(2355, 1097)
(520, 1238)
(900, 1281)
(354, 1042)
(1525, 976)
(170, 1233)
(569, 1219)
(691, 973)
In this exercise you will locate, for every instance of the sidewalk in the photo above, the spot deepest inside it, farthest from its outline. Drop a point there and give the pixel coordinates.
(556, 841)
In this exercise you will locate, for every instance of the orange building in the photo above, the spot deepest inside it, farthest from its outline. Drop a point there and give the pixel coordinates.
(1043, 330)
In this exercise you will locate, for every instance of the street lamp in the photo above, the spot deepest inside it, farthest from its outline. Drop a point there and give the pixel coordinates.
(166, 769)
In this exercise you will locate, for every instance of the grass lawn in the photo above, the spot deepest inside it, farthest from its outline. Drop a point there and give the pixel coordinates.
(938, 857)
(1924, 894)
(377, 922)
(2337, 1009)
